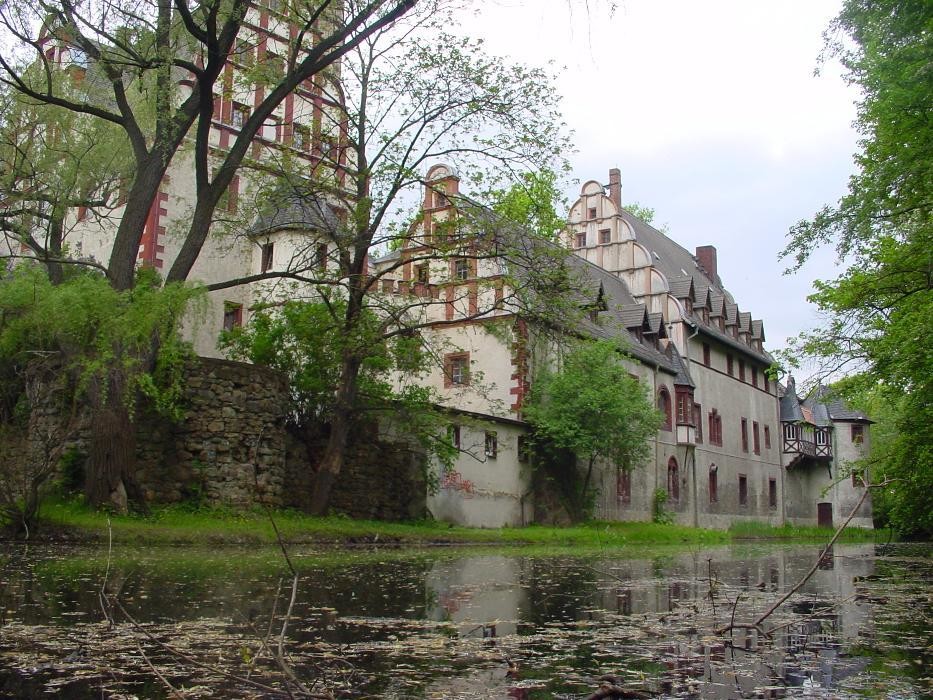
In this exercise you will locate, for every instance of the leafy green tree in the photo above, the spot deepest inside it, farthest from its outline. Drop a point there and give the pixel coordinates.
(82, 339)
(644, 213)
(304, 341)
(880, 310)
(589, 410)
(52, 162)
(409, 100)
(533, 203)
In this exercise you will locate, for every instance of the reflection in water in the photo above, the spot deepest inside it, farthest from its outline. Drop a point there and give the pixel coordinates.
(487, 625)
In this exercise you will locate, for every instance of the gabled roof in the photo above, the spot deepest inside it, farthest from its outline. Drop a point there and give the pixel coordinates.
(820, 408)
(634, 315)
(836, 408)
(758, 330)
(621, 313)
(716, 304)
(677, 264)
(681, 287)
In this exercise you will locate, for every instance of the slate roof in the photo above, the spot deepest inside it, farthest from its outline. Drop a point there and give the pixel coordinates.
(820, 408)
(292, 211)
(622, 313)
(835, 407)
(683, 372)
(677, 264)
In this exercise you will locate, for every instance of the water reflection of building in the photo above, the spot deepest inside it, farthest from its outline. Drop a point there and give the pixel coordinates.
(499, 596)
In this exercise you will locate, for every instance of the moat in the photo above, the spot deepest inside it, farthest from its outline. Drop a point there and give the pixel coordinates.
(490, 623)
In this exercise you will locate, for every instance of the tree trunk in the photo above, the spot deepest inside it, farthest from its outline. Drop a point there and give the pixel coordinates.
(112, 456)
(121, 270)
(335, 453)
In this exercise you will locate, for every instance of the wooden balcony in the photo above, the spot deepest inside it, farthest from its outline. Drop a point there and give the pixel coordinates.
(813, 444)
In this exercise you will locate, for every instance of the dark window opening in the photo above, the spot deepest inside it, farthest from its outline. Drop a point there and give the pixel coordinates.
(268, 250)
(713, 483)
(233, 315)
(624, 486)
(744, 435)
(673, 480)
(664, 405)
(772, 493)
(492, 444)
(743, 490)
(706, 354)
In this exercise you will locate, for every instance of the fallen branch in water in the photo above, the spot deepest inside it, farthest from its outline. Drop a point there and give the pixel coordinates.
(757, 624)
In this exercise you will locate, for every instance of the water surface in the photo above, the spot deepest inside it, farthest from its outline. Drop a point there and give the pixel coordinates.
(507, 623)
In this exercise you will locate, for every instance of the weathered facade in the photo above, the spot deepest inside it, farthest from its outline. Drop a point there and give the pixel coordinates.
(721, 455)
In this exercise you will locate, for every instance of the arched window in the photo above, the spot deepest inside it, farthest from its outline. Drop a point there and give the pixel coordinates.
(673, 480)
(664, 405)
(713, 483)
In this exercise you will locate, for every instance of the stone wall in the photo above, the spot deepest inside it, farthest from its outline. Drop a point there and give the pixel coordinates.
(381, 479)
(233, 448)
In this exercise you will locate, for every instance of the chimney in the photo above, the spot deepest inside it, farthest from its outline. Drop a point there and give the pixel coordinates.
(706, 256)
(615, 187)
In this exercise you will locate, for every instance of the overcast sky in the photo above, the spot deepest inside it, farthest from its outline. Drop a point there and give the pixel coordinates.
(713, 114)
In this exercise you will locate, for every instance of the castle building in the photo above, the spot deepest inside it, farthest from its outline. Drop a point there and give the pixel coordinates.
(725, 451)
(734, 445)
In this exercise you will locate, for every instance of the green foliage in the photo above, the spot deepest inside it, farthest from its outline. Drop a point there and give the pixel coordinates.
(71, 471)
(91, 330)
(593, 409)
(533, 203)
(644, 213)
(880, 310)
(309, 343)
(592, 406)
(79, 339)
(659, 512)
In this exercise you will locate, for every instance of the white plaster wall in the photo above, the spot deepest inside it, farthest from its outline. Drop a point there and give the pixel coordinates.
(481, 491)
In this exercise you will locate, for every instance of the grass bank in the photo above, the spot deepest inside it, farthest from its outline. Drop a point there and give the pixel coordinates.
(72, 520)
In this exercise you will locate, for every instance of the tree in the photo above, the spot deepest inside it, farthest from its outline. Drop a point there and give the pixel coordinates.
(410, 97)
(879, 312)
(152, 70)
(303, 340)
(591, 410)
(54, 161)
(644, 213)
(83, 339)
